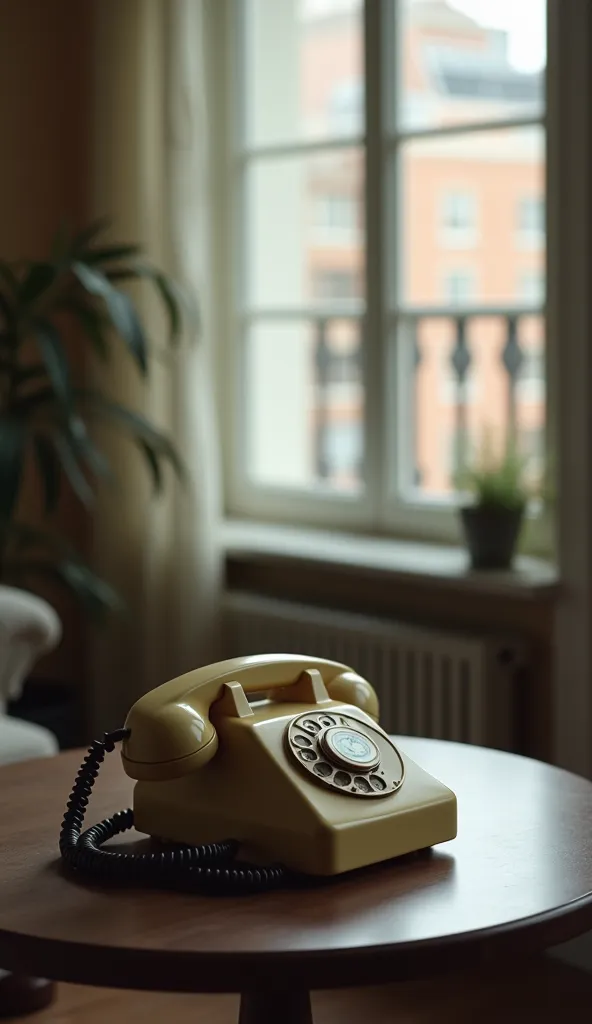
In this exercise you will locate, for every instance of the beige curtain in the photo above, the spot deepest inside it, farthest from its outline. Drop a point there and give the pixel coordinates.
(150, 176)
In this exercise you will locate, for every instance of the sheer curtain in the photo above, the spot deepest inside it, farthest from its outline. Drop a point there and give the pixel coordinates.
(150, 177)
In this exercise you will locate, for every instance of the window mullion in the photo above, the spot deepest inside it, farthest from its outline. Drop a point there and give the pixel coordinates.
(374, 328)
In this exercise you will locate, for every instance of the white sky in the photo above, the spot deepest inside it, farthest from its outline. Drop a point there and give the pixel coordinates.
(524, 20)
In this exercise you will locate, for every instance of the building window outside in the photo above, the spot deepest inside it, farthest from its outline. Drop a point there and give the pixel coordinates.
(458, 220)
(531, 286)
(459, 287)
(530, 222)
(334, 211)
(345, 114)
(335, 284)
(334, 220)
(461, 142)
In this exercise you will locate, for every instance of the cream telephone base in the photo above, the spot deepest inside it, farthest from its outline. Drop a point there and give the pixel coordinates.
(305, 777)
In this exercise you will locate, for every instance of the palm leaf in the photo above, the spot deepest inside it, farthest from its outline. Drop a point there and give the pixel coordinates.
(172, 297)
(82, 240)
(120, 308)
(96, 461)
(92, 323)
(9, 278)
(137, 425)
(12, 444)
(153, 463)
(25, 374)
(28, 405)
(71, 574)
(96, 594)
(50, 470)
(6, 309)
(109, 253)
(55, 359)
(69, 462)
(37, 279)
(22, 537)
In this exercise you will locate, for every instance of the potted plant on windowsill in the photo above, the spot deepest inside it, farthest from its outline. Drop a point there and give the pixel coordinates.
(48, 309)
(493, 521)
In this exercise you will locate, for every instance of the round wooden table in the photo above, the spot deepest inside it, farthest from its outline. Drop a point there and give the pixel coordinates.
(516, 880)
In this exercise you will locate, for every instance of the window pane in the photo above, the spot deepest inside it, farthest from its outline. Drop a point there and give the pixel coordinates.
(305, 405)
(482, 257)
(470, 60)
(304, 73)
(305, 230)
(450, 422)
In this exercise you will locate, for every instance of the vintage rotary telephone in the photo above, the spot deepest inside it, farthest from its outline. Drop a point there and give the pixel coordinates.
(305, 777)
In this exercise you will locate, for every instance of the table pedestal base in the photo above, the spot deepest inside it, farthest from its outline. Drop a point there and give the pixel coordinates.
(20, 995)
(289, 1007)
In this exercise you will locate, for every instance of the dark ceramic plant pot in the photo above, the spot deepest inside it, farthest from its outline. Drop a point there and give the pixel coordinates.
(491, 535)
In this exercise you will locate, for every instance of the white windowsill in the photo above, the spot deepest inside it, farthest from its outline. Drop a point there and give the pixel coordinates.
(436, 565)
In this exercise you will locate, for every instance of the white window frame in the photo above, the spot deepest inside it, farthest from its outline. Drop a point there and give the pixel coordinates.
(385, 319)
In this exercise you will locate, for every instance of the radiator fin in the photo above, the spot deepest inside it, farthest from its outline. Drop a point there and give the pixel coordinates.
(429, 682)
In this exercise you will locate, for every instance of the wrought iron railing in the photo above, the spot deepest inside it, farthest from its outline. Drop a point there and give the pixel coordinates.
(461, 360)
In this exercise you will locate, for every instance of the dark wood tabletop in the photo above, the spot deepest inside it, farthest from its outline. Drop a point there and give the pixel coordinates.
(517, 879)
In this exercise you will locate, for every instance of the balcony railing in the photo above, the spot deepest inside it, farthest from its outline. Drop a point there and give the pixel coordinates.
(498, 348)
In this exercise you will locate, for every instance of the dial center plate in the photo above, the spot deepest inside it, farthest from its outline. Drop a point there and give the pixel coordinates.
(345, 753)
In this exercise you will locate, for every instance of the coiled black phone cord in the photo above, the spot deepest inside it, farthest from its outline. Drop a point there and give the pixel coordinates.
(210, 868)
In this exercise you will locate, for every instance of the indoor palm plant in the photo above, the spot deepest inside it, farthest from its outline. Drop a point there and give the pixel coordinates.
(49, 308)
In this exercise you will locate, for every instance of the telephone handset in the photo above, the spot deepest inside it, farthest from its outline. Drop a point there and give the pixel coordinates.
(304, 776)
(171, 731)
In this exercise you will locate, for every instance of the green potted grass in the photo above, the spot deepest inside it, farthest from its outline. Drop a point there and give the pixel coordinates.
(493, 521)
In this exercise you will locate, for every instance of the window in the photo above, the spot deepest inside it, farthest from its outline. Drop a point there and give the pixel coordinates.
(335, 211)
(335, 284)
(458, 220)
(531, 222)
(346, 107)
(531, 286)
(459, 286)
(360, 340)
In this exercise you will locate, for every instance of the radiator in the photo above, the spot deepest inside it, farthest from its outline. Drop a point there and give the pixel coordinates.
(442, 684)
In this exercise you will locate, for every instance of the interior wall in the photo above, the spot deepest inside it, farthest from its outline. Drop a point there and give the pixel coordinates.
(44, 102)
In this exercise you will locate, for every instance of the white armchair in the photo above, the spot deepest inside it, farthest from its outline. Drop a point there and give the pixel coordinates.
(29, 627)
